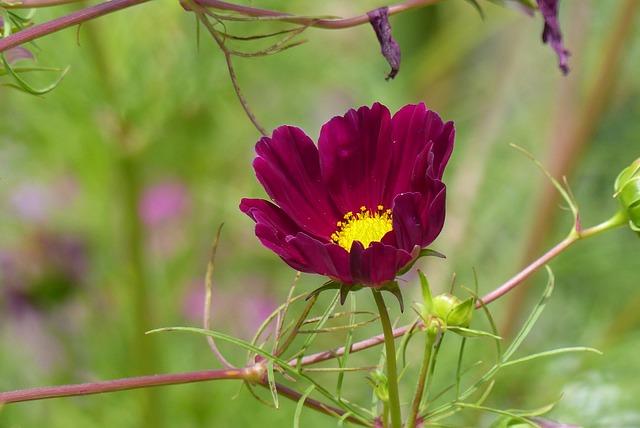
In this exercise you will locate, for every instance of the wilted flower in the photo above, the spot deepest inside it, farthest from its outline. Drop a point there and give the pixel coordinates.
(379, 19)
(551, 34)
(360, 206)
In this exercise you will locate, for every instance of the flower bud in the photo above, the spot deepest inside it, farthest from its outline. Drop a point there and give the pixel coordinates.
(452, 310)
(627, 187)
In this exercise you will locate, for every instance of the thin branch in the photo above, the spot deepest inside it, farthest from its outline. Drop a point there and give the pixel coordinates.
(200, 13)
(119, 385)
(330, 24)
(526, 272)
(29, 4)
(66, 21)
(207, 302)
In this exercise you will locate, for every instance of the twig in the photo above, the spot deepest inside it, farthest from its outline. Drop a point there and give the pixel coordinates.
(329, 24)
(118, 385)
(66, 21)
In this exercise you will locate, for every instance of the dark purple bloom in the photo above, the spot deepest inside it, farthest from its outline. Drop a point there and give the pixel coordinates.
(551, 34)
(359, 207)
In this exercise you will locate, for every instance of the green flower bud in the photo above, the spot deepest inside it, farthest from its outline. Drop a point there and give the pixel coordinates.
(627, 188)
(452, 310)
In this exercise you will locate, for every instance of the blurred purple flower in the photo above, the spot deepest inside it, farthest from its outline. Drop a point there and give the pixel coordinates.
(162, 209)
(551, 34)
(359, 207)
(163, 202)
(35, 202)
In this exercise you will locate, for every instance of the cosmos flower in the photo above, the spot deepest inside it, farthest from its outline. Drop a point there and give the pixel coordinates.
(361, 206)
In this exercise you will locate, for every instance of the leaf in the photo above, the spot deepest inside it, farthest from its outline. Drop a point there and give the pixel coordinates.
(551, 353)
(23, 85)
(467, 332)
(272, 384)
(300, 406)
(565, 192)
(533, 317)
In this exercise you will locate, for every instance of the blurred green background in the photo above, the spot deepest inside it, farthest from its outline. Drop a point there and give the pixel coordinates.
(112, 188)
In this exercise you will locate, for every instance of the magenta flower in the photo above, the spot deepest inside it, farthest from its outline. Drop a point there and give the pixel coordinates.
(360, 207)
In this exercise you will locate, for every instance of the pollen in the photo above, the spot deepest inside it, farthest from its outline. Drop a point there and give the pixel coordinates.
(367, 226)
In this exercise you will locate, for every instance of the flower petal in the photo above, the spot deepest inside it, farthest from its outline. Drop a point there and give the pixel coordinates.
(377, 264)
(418, 218)
(413, 128)
(324, 259)
(354, 157)
(288, 168)
(273, 228)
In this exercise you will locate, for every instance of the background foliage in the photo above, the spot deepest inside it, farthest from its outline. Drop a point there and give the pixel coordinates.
(145, 106)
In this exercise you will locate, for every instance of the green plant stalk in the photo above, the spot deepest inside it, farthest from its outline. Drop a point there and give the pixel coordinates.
(392, 368)
(422, 380)
(144, 348)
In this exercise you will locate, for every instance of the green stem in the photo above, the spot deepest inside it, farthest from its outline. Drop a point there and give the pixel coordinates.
(392, 369)
(422, 379)
(619, 219)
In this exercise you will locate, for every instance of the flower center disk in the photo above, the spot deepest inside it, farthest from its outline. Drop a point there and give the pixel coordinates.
(367, 226)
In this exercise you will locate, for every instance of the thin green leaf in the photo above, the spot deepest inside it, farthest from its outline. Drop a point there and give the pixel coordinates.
(281, 363)
(283, 314)
(339, 369)
(492, 322)
(533, 317)
(565, 192)
(459, 366)
(23, 85)
(271, 379)
(499, 412)
(406, 337)
(347, 349)
(467, 332)
(551, 353)
(349, 327)
(486, 393)
(300, 406)
(323, 320)
(230, 339)
(427, 296)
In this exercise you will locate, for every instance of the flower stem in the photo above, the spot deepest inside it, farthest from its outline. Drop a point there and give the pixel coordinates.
(392, 369)
(619, 219)
(422, 380)
(66, 21)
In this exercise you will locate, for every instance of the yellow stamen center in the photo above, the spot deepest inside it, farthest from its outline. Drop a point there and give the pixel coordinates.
(367, 226)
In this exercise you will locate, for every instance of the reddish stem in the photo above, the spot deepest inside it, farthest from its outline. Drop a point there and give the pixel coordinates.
(119, 385)
(66, 21)
(96, 11)
(331, 24)
(526, 272)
